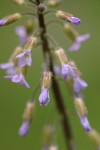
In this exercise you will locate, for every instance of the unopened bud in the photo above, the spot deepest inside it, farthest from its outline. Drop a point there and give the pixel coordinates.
(30, 25)
(46, 79)
(95, 137)
(54, 2)
(31, 41)
(41, 8)
(68, 17)
(10, 19)
(61, 54)
(72, 34)
(80, 106)
(48, 134)
(19, 2)
(53, 147)
(30, 106)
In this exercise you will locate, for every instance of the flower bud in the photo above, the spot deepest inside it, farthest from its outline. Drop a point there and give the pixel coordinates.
(80, 106)
(53, 147)
(68, 17)
(19, 2)
(54, 2)
(48, 134)
(29, 26)
(10, 19)
(30, 106)
(61, 54)
(31, 41)
(95, 137)
(41, 8)
(72, 34)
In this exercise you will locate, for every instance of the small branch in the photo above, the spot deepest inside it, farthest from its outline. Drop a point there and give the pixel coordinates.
(55, 86)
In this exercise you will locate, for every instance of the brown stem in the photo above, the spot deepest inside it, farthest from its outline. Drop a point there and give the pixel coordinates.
(55, 86)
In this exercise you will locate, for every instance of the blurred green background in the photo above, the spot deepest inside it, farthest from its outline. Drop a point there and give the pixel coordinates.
(13, 97)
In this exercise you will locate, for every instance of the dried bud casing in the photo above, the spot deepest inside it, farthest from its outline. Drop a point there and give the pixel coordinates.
(95, 137)
(48, 134)
(72, 34)
(11, 18)
(31, 41)
(61, 54)
(46, 81)
(80, 106)
(30, 106)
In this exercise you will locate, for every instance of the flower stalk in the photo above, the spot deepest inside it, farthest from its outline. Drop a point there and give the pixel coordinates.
(55, 87)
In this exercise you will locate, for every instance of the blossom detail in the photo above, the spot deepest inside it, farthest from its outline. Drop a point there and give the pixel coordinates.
(79, 39)
(23, 130)
(68, 70)
(18, 78)
(44, 97)
(79, 85)
(85, 123)
(24, 58)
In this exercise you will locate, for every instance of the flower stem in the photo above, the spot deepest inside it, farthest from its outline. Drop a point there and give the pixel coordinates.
(55, 86)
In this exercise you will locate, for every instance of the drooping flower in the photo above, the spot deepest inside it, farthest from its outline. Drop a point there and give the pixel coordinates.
(11, 65)
(57, 69)
(6, 65)
(21, 32)
(68, 70)
(85, 123)
(75, 37)
(44, 97)
(24, 58)
(78, 41)
(23, 130)
(27, 118)
(46, 82)
(18, 77)
(79, 85)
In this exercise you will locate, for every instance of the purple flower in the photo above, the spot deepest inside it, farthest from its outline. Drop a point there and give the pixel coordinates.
(9, 67)
(57, 69)
(85, 123)
(79, 85)
(68, 70)
(23, 130)
(2, 22)
(79, 39)
(74, 20)
(44, 97)
(18, 78)
(6, 65)
(21, 32)
(24, 59)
